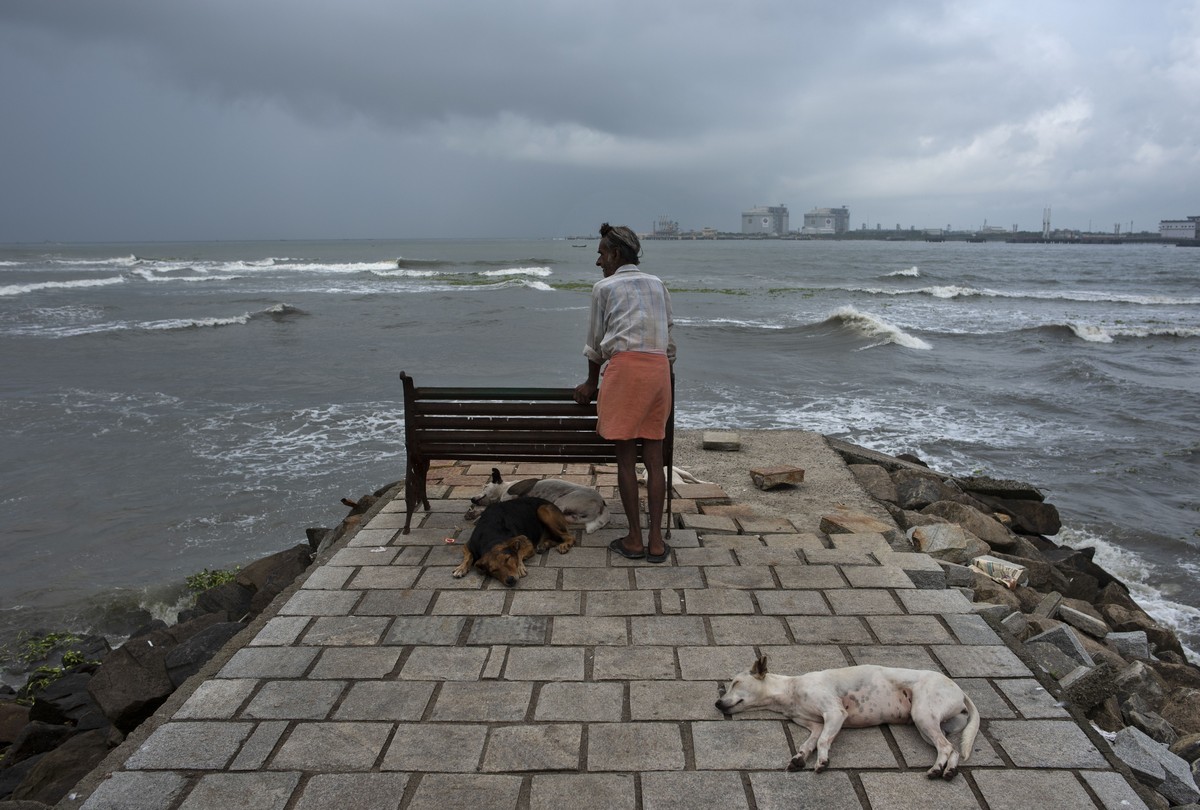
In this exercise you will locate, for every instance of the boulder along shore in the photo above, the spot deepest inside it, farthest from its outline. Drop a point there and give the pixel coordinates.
(1095, 649)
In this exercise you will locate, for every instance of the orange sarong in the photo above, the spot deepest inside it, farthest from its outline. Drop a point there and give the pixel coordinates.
(635, 397)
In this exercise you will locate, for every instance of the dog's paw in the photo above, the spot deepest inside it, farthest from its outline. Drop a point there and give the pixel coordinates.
(563, 548)
(458, 573)
(821, 765)
(796, 764)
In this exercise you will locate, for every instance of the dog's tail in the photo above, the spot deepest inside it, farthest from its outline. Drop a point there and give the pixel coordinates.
(970, 730)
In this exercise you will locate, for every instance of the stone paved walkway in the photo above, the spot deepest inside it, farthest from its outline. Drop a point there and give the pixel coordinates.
(383, 682)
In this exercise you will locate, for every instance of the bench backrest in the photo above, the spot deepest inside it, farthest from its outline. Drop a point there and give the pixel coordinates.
(506, 424)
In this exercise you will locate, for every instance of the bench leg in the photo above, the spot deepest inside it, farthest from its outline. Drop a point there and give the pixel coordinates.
(415, 489)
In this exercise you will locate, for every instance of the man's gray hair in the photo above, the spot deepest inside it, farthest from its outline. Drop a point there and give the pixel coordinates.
(624, 240)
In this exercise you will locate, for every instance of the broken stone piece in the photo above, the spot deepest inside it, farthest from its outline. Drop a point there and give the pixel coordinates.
(721, 440)
(770, 477)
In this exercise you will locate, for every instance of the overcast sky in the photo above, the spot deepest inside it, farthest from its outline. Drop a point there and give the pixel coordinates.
(265, 119)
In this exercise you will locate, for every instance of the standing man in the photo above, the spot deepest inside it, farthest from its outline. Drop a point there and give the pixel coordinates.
(630, 337)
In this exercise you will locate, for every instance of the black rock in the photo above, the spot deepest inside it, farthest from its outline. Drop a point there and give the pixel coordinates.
(186, 659)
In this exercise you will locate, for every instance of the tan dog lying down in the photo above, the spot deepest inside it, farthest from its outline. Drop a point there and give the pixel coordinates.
(857, 697)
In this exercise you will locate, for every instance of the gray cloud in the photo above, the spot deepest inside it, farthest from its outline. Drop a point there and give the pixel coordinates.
(368, 118)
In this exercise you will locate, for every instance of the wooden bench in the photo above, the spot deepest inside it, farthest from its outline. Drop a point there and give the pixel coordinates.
(504, 425)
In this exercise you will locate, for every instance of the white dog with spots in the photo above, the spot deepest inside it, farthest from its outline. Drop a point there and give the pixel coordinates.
(856, 697)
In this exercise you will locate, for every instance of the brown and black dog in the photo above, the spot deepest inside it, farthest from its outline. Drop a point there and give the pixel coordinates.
(503, 537)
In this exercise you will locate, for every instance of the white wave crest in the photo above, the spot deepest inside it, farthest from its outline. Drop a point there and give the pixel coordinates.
(540, 272)
(116, 261)
(874, 327)
(404, 273)
(912, 272)
(1092, 334)
(1107, 334)
(335, 267)
(1142, 577)
(948, 291)
(22, 289)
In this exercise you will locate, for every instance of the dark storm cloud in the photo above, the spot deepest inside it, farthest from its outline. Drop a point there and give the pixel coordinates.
(223, 119)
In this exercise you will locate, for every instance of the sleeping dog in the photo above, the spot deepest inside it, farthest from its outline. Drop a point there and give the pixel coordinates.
(505, 534)
(582, 505)
(857, 697)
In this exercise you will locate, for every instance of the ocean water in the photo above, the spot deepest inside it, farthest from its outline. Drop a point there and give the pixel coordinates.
(166, 408)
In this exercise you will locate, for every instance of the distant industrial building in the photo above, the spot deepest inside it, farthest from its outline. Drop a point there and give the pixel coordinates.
(766, 220)
(665, 227)
(826, 221)
(1180, 228)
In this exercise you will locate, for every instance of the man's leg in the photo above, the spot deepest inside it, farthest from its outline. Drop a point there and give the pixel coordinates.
(627, 486)
(656, 492)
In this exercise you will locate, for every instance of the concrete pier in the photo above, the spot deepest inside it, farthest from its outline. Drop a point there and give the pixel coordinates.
(381, 681)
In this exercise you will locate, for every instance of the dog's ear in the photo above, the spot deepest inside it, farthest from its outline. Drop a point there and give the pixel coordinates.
(760, 668)
(496, 476)
(522, 487)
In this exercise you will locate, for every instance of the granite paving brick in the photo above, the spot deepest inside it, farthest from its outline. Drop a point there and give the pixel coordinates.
(269, 662)
(258, 747)
(779, 790)
(242, 791)
(438, 791)
(810, 577)
(332, 747)
(603, 630)
(346, 630)
(1031, 698)
(482, 702)
(583, 791)
(193, 746)
(1046, 744)
(355, 662)
(1058, 789)
(908, 656)
(792, 603)
(509, 630)
(739, 744)
(904, 791)
(749, 630)
(369, 791)
(980, 662)
(619, 603)
(394, 603)
(909, 630)
(548, 747)
(739, 576)
(635, 747)
(294, 700)
(828, 629)
(281, 631)
(435, 630)
(136, 790)
(444, 664)
(675, 630)
(385, 700)
(218, 699)
(863, 602)
(692, 790)
(436, 747)
(545, 664)
(673, 700)
(718, 601)
(545, 603)
(797, 659)
(633, 663)
(580, 702)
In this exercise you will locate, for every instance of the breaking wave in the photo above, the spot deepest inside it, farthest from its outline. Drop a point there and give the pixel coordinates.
(872, 326)
(22, 289)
